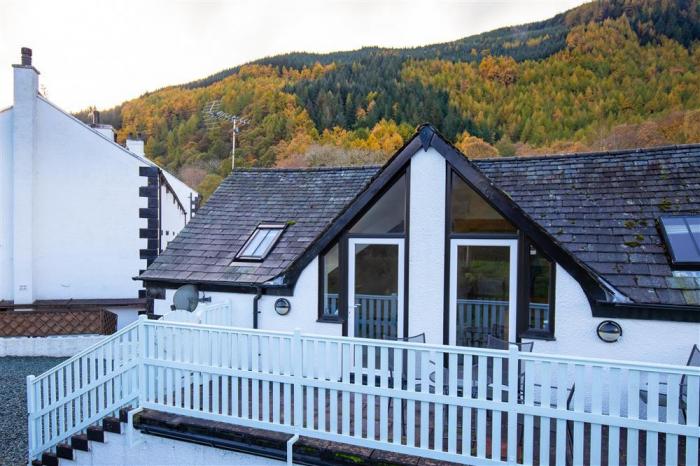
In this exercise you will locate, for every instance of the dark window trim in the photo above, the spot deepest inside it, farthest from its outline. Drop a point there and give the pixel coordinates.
(675, 264)
(397, 165)
(523, 320)
(344, 254)
(485, 235)
(261, 226)
(449, 236)
(322, 317)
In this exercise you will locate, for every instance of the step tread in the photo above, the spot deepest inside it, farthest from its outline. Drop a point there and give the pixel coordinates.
(96, 434)
(49, 459)
(112, 424)
(79, 442)
(64, 451)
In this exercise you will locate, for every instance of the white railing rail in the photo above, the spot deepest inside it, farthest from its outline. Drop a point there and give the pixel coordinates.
(220, 313)
(216, 314)
(467, 405)
(82, 390)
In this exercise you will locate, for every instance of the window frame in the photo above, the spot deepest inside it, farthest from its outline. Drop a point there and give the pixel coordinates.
(322, 316)
(676, 264)
(451, 171)
(342, 240)
(261, 226)
(524, 330)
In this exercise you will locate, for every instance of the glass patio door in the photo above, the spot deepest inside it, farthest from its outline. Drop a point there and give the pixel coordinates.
(483, 280)
(375, 287)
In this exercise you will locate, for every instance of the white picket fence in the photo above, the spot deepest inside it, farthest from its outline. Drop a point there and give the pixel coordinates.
(468, 405)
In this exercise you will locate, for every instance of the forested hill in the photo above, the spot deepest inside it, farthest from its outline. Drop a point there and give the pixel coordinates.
(608, 74)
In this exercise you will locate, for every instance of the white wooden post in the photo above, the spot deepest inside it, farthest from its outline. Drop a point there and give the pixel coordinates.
(298, 378)
(31, 408)
(513, 359)
(140, 359)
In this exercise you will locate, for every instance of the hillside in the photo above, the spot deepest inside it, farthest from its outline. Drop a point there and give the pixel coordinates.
(608, 74)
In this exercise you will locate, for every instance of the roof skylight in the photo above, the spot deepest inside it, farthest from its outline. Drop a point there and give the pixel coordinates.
(682, 236)
(261, 241)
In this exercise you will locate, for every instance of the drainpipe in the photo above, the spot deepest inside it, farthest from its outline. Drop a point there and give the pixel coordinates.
(258, 295)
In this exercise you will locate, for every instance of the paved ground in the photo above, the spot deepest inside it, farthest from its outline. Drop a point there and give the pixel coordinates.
(13, 419)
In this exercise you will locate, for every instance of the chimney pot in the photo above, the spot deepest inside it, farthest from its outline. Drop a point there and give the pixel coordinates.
(26, 56)
(95, 117)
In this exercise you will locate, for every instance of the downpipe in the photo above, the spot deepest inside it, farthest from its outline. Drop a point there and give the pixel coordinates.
(290, 448)
(256, 312)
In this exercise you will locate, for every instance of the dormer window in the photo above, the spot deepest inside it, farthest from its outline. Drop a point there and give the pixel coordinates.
(682, 237)
(261, 242)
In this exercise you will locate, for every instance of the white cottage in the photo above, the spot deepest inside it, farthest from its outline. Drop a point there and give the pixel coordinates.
(564, 251)
(81, 214)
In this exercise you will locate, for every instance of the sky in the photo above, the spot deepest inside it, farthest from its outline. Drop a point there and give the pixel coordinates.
(95, 52)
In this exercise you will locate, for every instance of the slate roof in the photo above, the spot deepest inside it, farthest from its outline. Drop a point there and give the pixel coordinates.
(601, 207)
(307, 199)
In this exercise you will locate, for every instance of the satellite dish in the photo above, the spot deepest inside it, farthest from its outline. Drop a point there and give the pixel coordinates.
(186, 298)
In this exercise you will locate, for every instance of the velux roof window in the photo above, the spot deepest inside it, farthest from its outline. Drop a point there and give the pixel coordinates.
(682, 236)
(261, 241)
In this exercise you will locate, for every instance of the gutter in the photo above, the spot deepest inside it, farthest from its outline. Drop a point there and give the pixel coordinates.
(662, 312)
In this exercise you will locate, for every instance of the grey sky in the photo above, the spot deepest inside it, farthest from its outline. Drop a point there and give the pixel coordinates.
(101, 52)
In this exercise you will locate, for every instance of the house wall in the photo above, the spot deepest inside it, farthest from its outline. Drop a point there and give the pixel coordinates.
(86, 204)
(303, 314)
(644, 340)
(426, 263)
(6, 279)
(575, 332)
(173, 218)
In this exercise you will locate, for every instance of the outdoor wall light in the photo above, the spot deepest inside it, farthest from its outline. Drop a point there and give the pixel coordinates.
(283, 306)
(609, 331)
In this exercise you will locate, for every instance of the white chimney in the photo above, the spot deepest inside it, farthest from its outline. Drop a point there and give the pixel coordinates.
(105, 130)
(136, 146)
(24, 131)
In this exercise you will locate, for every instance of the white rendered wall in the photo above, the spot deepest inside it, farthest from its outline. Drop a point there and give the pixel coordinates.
(642, 340)
(53, 346)
(172, 218)
(183, 192)
(125, 315)
(24, 146)
(426, 263)
(86, 212)
(147, 450)
(304, 313)
(6, 278)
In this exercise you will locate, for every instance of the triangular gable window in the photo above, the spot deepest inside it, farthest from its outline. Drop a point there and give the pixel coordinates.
(387, 215)
(470, 213)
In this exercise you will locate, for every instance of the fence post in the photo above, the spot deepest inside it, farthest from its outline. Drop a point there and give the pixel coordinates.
(297, 367)
(31, 409)
(140, 361)
(513, 384)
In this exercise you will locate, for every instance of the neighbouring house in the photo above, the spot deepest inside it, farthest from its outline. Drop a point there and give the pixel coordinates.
(81, 214)
(567, 251)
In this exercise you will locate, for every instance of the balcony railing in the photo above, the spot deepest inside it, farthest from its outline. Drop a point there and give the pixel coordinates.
(467, 405)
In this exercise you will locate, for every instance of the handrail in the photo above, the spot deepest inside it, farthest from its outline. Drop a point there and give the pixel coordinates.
(116, 335)
(85, 388)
